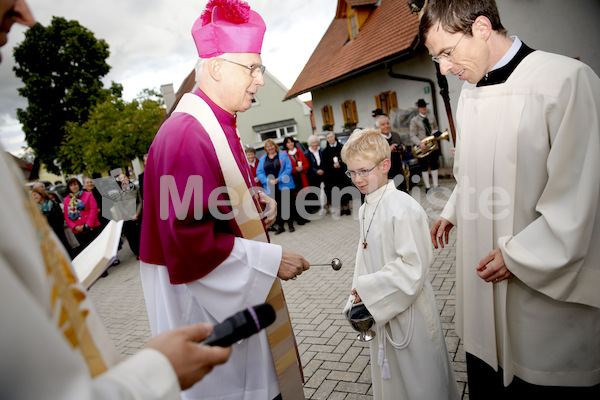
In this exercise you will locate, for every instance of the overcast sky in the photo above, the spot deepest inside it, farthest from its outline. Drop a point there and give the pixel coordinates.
(150, 44)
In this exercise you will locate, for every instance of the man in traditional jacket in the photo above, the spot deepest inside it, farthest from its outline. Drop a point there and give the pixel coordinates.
(397, 148)
(525, 206)
(423, 125)
(53, 343)
(198, 262)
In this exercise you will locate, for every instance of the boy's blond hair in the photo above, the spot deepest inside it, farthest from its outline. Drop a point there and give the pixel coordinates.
(367, 144)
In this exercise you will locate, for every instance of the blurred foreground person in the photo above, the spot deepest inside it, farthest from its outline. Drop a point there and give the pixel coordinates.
(53, 343)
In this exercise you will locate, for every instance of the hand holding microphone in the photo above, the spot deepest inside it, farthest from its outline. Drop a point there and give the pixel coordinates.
(241, 325)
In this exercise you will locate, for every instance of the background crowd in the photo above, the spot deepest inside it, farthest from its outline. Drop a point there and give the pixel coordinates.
(302, 182)
(78, 219)
(313, 180)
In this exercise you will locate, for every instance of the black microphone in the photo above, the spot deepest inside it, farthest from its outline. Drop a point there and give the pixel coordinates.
(241, 325)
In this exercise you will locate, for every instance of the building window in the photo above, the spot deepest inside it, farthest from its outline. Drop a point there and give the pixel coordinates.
(327, 113)
(269, 135)
(353, 27)
(386, 101)
(350, 114)
(276, 130)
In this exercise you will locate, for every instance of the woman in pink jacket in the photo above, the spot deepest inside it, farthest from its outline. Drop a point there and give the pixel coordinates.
(81, 213)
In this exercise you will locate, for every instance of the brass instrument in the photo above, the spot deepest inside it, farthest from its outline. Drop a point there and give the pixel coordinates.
(431, 143)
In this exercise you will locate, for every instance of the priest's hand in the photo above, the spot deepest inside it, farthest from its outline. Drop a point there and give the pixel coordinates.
(440, 231)
(292, 264)
(491, 268)
(190, 360)
(270, 207)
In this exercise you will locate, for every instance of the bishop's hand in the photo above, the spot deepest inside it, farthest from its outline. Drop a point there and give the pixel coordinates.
(292, 264)
(270, 209)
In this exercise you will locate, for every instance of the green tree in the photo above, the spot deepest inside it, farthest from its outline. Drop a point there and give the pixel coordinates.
(115, 133)
(61, 66)
(27, 155)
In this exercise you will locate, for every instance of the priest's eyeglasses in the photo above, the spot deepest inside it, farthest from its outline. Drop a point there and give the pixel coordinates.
(447, 56)
(254, 68)
(363, 173)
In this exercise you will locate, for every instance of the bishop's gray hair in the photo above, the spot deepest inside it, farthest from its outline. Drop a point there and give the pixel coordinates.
(201, 63)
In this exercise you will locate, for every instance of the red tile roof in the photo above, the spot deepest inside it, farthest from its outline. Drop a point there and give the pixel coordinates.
(356, 3)
(389, 30)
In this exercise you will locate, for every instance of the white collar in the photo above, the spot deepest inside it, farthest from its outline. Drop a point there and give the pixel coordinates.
(374, 196)
(510, 54)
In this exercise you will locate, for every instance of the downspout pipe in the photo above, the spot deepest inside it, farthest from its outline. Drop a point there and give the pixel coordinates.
(443, 92)
(419, 79)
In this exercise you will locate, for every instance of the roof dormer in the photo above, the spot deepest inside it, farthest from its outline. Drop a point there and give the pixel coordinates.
(356, 13)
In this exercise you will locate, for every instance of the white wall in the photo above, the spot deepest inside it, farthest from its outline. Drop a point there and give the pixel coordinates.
(363, 90)
(569, 27)
(270, 107)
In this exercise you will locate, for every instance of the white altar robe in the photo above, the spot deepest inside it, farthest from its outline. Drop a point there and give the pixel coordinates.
(391, 278)
(532, 144)
(38, 362)
(242, 280)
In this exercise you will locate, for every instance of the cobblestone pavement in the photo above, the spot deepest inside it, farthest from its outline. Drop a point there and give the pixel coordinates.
(336, 365)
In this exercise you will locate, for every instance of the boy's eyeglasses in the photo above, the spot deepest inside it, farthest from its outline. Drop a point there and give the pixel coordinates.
(363, 173)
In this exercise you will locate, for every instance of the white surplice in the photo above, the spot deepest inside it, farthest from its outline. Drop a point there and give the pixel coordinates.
(391, 278)
(527, 167)
(242, 280)
(38, 362)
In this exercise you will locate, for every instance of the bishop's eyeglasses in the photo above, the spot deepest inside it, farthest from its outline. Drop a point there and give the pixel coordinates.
(254, 68)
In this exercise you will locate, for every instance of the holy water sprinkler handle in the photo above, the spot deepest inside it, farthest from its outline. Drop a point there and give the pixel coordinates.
(336, 264)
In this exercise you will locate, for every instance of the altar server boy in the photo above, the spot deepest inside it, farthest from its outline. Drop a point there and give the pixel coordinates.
(409, 359)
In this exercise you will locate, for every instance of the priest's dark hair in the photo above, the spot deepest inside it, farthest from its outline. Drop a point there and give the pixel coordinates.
(458, 16)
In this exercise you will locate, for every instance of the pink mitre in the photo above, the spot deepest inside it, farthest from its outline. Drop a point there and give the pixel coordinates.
(228, 26)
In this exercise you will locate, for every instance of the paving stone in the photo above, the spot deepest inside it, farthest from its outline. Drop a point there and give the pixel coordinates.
(343, 376)
(352, 387)
(324, 390)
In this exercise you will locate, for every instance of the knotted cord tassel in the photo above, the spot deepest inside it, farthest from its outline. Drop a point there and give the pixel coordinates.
(385, 373)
